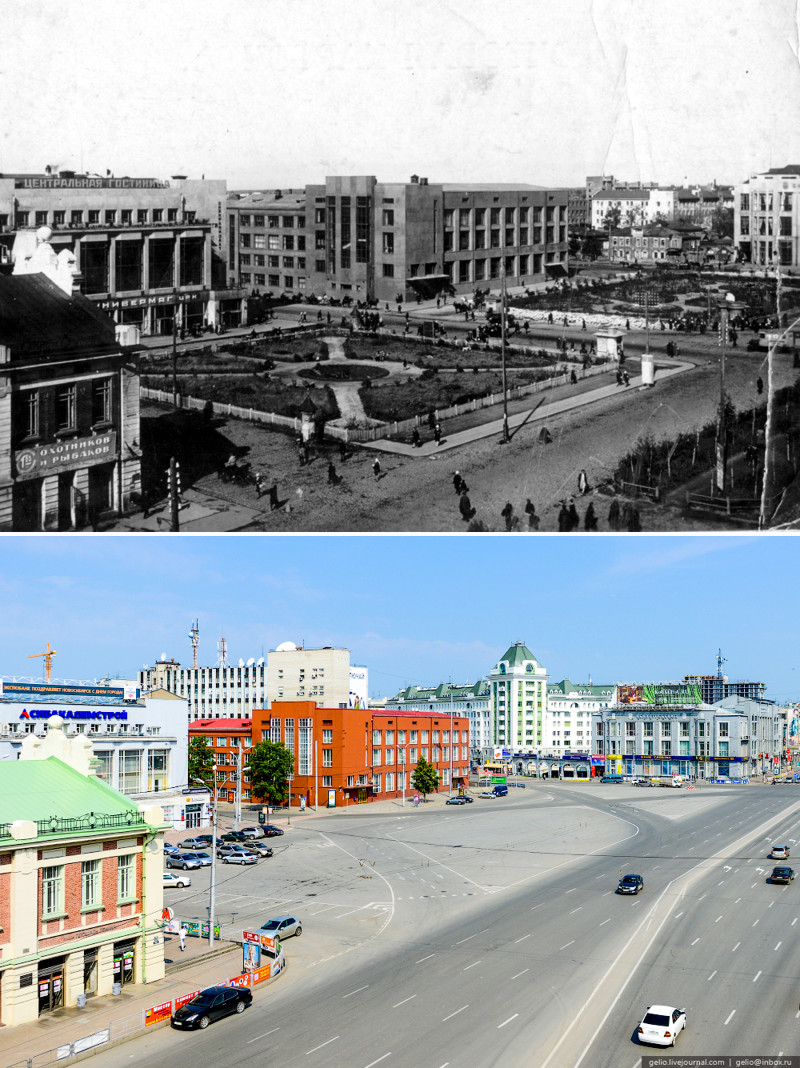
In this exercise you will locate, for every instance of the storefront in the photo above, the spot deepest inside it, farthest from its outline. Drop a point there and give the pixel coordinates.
(124, 957)
(51, 984)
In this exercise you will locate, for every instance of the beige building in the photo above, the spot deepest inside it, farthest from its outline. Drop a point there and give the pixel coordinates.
(322, 675)
(80, 882)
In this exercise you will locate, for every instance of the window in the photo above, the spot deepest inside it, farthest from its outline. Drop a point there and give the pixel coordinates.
(126, 876)
(158, 215)
(273, 261)
(59, 217)
(258, 220)
(327, 758)
(41, 218)
(30, 415)
(412, 755)
(723, 749)
(244, 220)
(388, 270)
(259, 241)
(327, 736)
(101, 401)
(723, 730)
(327, 780)
(376, 756)
(52, 890)
(288, 243)
(388, 217)
(288, 261)
(388, 244)
(259, 260)
(90, 883)
(66, 418)
(245, 240)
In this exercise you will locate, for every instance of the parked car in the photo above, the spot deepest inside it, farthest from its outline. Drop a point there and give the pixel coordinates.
(204, 858)
(224, 849)
(782, 875)
(233, 836)
(260, 848)
(170, 850)
(455, 800)
(780, 852)
(183, 860)
(271, 831)
(661, 1025)
(282, 927)
(240, 856)
(253, 832)
(612, 778)
(630, 884)
(211, 1004)
(519, 785)
(202, 842)
(171, 881)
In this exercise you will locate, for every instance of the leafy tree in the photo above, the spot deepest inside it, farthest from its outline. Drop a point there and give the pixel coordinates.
(425, 778)
(270, 764)
(612, 217)
(201, 761)
(722, 222)
(593, 245)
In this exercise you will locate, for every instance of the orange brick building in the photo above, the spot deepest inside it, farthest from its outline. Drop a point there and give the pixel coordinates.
(230, 739)
(354, 755)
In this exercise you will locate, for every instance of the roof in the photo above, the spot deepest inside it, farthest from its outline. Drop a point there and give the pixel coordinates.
(37, 318)
(518, 654)
(444, 691)
(790, 168)
(581, 689)
(41, 789)
(425, 713)
(488, 187)
(221, 724)
(622, 194)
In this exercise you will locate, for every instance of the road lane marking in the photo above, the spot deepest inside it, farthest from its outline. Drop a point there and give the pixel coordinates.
(736, 947)
(471, 966)
(717, 919)
(472, 936)
(570, 891)
(779, 945)
(711, 976)
(522, 939)
(399, 1003)
(754, 923)
(578, 909)
(757, 975)
(605, 922)
(730, 1017)
(794, 921)
(520, 973)
(383, 1058)
(572, 943)
(679, 916)
(424, 958)
(695, 941)
(508, 1021)
(354, 992)
(452, 1014)
(542, 902)
(314, 1050)
(272, 1032)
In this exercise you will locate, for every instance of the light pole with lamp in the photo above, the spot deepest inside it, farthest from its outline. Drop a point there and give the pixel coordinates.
(504, 440)
(726, 308)
(213, 887)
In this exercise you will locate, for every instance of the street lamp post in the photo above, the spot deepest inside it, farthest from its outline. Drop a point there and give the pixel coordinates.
(213, 887)
(504, 439)
(721, 475)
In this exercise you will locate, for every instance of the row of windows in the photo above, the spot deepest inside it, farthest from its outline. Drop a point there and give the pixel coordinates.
(272, 261)
(273, 280)
(273, 221)
(91, 885)
(763, 225)
(480, 270)
(765, 201)
(96, 217)
(413, 736)
(509, 216)
(42, 414)
(277, 242)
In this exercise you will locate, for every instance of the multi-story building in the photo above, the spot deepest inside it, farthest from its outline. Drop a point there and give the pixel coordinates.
(322, 675)
(69, 404)
(715, 688)
(148, 251)
(230, 739)
(345, 755)
(568, 722)
(471, 700)
(224, 691)
(360, 238)
(80, 882)
(766, 218)
(138, 744)
(518, 687)
(731, 739)
(633, 206)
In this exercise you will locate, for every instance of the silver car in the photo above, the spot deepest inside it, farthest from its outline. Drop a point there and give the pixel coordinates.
(282, 927)
(183, 860)
(240, 856)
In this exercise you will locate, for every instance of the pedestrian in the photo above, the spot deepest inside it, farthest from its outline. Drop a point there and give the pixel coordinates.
(465, 507)
(625, 380)
(416, 441)
(563, 519)
(627, 324)
(319, 316)
(583, 324)
(573, 377)
(530, 511)
(583, 482)
(613, 515)
(306, 452)
(590, 519)
(376, 468)
(508, 514)
(437, 434)
(260, 486)
(458, 482)
(550, 318)
(342, 451)
(328, 317)
(333, 478)
(301, 455)
(634, 521)
(431, 419)
(574, 518)
(182, 933)
(438, 302)
(273, 496)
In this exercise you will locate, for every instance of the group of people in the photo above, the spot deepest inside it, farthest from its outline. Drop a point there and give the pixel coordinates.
(514, 522)
(624, 518)
(622, 377)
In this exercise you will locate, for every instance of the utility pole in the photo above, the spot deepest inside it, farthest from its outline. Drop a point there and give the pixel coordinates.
(237, 817)
(174, 475)
(175, 352)
(316, 801)
(504, 440)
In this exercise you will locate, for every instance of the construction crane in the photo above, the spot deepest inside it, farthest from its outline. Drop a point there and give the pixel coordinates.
(48, 660)
(194, 635)
(720, 661)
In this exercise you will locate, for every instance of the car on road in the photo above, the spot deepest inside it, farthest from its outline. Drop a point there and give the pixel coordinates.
(612, 778)
(782, 874)
(467, 798)
(780, 852)
(259, 847)
(630, 884)
(282, 927)
(203, 842)
(661, 1025)
(487, 794)
(183, 860)
(643, 782)
(271, 831)
(211, 1004)
(171, 880)
(455, 800)
(241, 856)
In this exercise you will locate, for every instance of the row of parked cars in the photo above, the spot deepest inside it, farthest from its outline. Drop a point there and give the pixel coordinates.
(234, 847)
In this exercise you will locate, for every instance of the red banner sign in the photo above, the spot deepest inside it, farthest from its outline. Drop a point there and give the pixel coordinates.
(158, 1013)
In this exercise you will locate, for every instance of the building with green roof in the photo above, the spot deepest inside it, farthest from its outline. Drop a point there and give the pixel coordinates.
(81, 889)
(468, 699)
(518, 696)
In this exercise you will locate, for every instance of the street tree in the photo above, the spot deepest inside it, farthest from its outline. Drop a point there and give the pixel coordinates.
(425, 778)
(270, 765)
(612, 217)
(201, 761)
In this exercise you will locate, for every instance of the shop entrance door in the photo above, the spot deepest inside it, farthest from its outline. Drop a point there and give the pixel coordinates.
(123, 963)
(90, 971)
(193, 815)
(66, 501)
(51, 986)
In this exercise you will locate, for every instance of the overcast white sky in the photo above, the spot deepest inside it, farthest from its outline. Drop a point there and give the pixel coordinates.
(283, 92)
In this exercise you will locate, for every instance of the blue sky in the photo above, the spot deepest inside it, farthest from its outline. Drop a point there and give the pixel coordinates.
(412, 609)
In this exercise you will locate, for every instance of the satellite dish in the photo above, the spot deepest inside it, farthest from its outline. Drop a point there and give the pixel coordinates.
(241, 662)
(261, 660)
(286, 647)
(251, 661)
(163, 657)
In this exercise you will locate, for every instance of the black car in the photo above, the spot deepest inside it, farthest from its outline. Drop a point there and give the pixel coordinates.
(782, 874)
(630, 884)
(211, 1004)
(271, 831)
(234, 836)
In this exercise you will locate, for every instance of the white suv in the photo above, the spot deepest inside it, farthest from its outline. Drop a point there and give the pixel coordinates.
(780, 852)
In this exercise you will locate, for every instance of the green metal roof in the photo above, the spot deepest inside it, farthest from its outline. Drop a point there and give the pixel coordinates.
(517, 654)
(582, 689)
(49, 789)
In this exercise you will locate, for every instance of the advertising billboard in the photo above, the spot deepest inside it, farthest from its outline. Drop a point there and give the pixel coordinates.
(659, 694)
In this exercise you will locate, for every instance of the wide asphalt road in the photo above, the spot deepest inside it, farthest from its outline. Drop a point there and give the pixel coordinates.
(490, 934)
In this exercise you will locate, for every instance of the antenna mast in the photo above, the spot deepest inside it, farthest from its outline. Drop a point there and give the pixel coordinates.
(222, 649)
(194, 635)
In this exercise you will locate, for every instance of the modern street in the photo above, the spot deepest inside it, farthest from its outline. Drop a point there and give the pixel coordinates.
(491, 933)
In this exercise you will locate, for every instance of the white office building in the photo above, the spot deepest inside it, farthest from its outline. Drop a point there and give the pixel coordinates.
(221, 692)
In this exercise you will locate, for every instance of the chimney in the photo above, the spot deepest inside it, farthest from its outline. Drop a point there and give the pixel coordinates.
(415, 179)
(423, 181)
